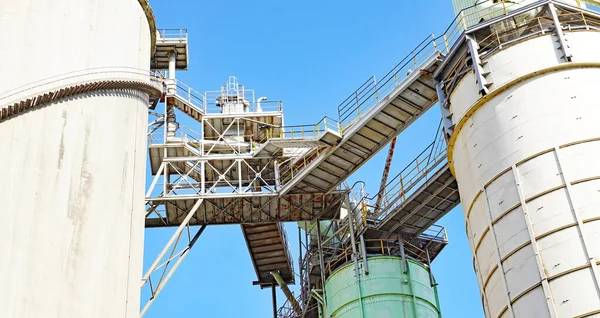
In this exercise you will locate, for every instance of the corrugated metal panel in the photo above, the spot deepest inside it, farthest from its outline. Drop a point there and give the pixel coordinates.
(462, 4)
(386, 291)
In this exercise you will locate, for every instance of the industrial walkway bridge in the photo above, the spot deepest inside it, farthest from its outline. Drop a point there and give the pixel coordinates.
(246, 168)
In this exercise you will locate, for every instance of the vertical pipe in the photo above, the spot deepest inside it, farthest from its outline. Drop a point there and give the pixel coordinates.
(172, 64)
(354, 259)
(300, 265)
(203, 178)
(239, 166)
(353, 242)
(276, 170)
(401, 242)
(287, 292)
(308, 256)
(321, 261)
(431, 282)
(536, 250)
(165, 150)
(363, 248)
(320, 310)
(274, 296)
(437, 301)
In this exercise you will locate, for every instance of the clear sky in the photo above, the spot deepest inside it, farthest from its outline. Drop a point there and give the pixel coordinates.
(311, 55)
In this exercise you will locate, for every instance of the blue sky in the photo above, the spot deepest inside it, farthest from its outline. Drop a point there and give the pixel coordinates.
(311, 55)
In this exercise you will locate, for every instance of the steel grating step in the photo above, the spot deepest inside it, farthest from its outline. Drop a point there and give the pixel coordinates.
(268, 248)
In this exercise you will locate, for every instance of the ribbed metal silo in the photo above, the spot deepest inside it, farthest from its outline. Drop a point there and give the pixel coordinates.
(522, 115)
(387, 291)
(74, 94)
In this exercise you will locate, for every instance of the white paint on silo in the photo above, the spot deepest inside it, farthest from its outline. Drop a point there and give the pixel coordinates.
(72, 186)
(526, 160)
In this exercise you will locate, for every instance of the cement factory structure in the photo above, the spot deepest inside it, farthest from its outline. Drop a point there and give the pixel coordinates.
(517, 146)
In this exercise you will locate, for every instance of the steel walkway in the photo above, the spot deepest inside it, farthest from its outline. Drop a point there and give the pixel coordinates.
(266, 240)
(366, 130)
(184, 98)
(436, 197)
(369, 119)
(416, 198)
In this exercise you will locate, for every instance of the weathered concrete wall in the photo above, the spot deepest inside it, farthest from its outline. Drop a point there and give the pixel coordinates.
(44, 38)
(72, 185)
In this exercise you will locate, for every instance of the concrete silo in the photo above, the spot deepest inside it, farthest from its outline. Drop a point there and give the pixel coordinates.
(74, 94)
(521, 112)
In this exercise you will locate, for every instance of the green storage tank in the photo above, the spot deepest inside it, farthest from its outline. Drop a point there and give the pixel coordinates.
(385, 292)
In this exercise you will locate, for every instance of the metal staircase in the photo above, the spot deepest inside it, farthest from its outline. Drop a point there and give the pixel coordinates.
(415, 199)
(369, 119)
(185, 98)
(267, 244)
(294, 172)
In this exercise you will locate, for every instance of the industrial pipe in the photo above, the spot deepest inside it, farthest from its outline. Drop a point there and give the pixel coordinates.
(286, 291)
(363, 248)
(172, 64)
(258, 108)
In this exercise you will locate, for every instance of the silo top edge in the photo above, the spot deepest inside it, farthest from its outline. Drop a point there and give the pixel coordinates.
(151, 23)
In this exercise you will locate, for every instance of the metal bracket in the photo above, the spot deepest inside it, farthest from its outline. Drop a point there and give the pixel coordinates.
(167, 270)
(473, 50)
(564, 47)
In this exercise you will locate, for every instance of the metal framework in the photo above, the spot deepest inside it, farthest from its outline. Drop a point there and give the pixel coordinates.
(241, 165)
(227, 169)
(401, 224)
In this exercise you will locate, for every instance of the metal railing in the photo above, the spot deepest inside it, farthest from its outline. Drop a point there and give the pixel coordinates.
(286, 310)
(373, 90)
(183, 134)
(185, 93)
(359, 102)
(286, 244)
(172, 34)
(294, 166)
(341, 253)
(535, 26)
(408, 181)
(403, 185)
(369, 93)
(315, 131)
(435, 233)
(79, 77)
(507, 32)
(212, 98)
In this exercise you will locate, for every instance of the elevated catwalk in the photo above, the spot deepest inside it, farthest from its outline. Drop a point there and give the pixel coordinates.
(245, 167)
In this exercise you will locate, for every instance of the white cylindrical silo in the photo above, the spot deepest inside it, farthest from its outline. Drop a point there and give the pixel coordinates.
(73, 168)
(525, 154)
